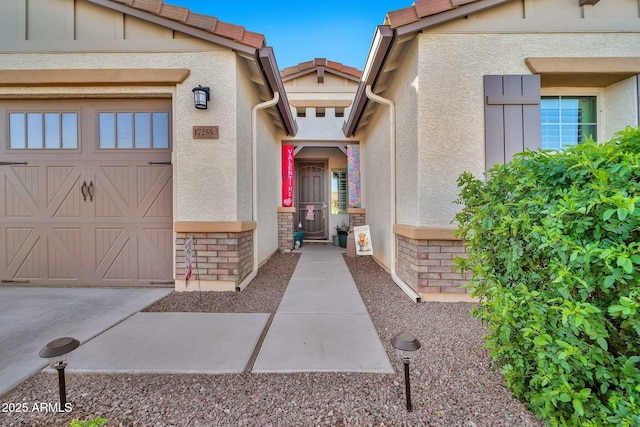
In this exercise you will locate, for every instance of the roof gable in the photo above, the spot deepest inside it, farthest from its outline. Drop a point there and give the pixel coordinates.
(251, 46)
(426, 8)
(319, 66)
(182, 15)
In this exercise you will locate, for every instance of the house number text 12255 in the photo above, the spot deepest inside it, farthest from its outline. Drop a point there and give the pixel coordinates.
(205, 132)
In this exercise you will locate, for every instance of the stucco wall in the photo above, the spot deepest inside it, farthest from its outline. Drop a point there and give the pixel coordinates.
(376, 167)
(204, 170)
(327, 128)
(375, 177)
(268, 164)
(620, 106)
(451, 118)
(246, 98)
(404, 92)
(306, 93)
(269, 172)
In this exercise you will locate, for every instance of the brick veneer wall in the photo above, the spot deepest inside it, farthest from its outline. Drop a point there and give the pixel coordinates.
(285, 229)
(357, 217)
(427, 265)
(220, 256)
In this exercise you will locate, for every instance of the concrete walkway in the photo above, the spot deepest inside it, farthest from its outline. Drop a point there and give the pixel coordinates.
(321, 325)
(31, 317)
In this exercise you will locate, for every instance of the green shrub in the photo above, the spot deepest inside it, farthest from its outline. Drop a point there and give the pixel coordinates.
(94, 422)
(554, 248)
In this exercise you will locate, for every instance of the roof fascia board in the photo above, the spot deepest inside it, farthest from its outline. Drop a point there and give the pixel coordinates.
(174, 25)
(360, 100)
(380, 46)
(264, 57)
(359, 103)
(326, 70)
(382, 43)
(440, 18)
(267, 60)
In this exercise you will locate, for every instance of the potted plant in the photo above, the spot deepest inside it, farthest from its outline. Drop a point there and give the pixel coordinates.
(342, 231)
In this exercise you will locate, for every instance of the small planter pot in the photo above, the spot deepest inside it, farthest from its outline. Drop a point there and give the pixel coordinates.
(336, 241)
(342, 238)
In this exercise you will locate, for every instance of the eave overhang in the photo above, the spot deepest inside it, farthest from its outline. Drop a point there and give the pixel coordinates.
(253, 46)
(267, 61)
(459, 11)
(380, 48)
(378, 56)
(583, 72)
(178, 26)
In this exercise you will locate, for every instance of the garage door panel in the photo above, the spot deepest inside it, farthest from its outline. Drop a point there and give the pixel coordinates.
(154, 192)
(65, 254)
(119, 269)
(30, 266)
(113, 254)
(22, 254)
(21, 195)
(112, 192)
(64, 192)
(154, 244)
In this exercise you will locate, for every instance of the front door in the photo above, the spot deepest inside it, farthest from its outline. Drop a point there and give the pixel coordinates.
(312, 202)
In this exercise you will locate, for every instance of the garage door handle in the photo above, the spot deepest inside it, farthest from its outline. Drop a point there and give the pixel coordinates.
(91, 191)
(84, 190)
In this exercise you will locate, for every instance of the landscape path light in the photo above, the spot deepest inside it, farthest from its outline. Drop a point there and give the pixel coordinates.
(407, 346)
(56, 352)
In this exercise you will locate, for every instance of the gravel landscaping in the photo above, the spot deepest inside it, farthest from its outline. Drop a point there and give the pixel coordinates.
(453, 383)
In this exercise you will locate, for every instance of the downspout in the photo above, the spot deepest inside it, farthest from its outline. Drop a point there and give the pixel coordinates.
(392, 149)
(254, 173)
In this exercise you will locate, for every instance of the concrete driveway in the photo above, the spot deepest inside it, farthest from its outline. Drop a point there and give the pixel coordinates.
(30, 317)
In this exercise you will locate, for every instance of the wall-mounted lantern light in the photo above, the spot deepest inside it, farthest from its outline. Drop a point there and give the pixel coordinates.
(56, 352)
(200, 97)
(407, 347)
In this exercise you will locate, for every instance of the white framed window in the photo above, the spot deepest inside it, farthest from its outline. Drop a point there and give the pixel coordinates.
(339, 191)
(37, 130)
(139, 130)
(568, 119)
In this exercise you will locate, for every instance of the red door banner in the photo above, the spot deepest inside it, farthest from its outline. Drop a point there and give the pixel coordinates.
(287, 176)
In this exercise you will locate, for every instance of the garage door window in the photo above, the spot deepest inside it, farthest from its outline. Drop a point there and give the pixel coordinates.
(134, 130)
(39, 130)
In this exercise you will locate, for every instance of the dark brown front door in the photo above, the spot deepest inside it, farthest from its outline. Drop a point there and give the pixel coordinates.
(311, 196)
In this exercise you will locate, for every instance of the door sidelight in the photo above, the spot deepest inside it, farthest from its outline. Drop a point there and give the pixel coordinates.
(87, 190)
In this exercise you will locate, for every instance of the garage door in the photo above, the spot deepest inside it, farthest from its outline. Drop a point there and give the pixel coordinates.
(86, 196)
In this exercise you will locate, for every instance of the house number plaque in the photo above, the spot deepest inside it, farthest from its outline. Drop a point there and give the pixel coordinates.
(205, 132)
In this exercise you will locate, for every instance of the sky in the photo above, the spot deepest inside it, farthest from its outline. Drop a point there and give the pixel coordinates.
(301, 30)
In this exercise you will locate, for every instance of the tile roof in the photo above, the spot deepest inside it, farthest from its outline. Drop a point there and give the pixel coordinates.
(421, 9)
(211, 24)
(321, 62)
